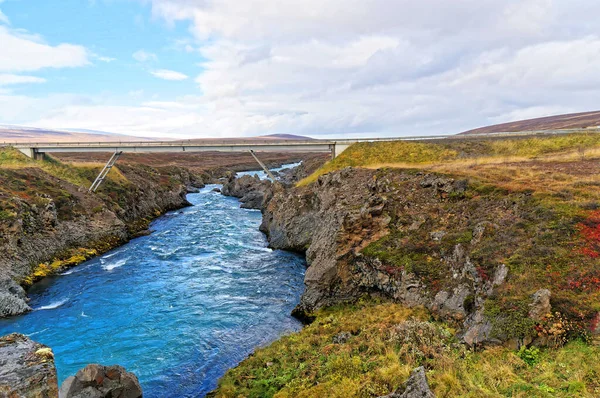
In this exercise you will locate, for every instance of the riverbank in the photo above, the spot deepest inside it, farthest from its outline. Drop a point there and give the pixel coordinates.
(49, 222)
(177, 308)
(487, 247)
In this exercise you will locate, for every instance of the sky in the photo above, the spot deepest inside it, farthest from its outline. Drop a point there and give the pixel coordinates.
(321, 68)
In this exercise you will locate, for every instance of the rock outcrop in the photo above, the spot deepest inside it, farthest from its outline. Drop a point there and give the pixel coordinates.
(13, 299)
(53, 224)
(415, 387)
(540, 307)
(97, 381)
(26, 368)
(253, 192)
(289, 177)
(413, 237)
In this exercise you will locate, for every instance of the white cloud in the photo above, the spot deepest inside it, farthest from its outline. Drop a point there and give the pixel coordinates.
(144, 56)
(388, 66)
(354, 67)
(166, 74)
(104, 59)
(22, 51)
(8, 79)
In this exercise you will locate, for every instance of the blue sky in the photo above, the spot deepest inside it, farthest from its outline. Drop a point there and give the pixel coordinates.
(114, 31)
(329, 68)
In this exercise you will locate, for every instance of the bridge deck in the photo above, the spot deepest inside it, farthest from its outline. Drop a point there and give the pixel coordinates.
(334, 146)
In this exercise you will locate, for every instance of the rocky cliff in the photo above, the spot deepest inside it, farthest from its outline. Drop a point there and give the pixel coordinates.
(49, 222)
(422, 239)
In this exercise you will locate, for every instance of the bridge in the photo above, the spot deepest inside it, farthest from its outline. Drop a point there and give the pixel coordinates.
(335, 147)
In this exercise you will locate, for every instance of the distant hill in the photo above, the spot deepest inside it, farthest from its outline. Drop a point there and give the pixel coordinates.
(559, 122)
(17, 134)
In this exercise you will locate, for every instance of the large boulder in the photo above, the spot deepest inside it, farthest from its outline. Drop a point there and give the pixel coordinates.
(13, 300)
(540, 307)
(97, 381)
(26, 368)
(415, 387)
(253, 192)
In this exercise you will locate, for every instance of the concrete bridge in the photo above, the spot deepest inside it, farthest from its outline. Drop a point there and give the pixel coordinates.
(335, 147)
(35, 150)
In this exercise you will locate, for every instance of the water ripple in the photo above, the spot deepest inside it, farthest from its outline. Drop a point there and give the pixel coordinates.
(178, 307)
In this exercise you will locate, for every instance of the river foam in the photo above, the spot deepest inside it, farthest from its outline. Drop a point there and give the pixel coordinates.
(217, 295)
(52, 306)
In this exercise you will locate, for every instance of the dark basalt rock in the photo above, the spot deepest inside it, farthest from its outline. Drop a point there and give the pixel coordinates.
(97, 381)
(26, 368)
(333, 220)
(253, 192)
(13, 300)
(415, 387)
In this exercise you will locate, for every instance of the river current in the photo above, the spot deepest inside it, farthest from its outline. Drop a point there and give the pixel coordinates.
(178, 307)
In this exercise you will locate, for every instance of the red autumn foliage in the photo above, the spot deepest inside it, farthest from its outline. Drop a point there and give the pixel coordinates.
(588, 282)
(483, 274)
(589, 230)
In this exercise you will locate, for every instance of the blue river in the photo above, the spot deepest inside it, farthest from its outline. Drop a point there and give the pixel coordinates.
(178, 307)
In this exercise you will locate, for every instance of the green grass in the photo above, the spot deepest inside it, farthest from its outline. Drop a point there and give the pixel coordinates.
(379, 355)
(403, 153)
(11, 158)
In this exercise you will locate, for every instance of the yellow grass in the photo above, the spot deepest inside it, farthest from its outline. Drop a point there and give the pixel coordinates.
(371, 363)
(463, 153)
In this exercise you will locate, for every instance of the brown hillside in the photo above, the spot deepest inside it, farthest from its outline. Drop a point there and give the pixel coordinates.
(570, 121)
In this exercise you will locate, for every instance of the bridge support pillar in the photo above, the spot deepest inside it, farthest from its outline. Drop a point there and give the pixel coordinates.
(338, 149)
(265, 168)
(111, 162)
(32, 153)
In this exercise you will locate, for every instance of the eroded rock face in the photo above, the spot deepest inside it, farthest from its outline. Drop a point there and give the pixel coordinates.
(336, 220)
(330, 223)
(97, 381)
(415, 387)
(48, 226)
(26, 368)
(253, 192)
(13, 300)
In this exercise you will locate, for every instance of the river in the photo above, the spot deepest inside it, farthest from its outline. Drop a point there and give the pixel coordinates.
(178, 307)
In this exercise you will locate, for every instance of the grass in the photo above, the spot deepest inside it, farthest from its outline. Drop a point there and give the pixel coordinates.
(384, 342)
(81, 174)
(409, 154)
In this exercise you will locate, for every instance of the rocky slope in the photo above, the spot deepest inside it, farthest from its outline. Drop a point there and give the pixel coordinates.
(419, 238)
(255, 193)
(26, 368)
(48, 223)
